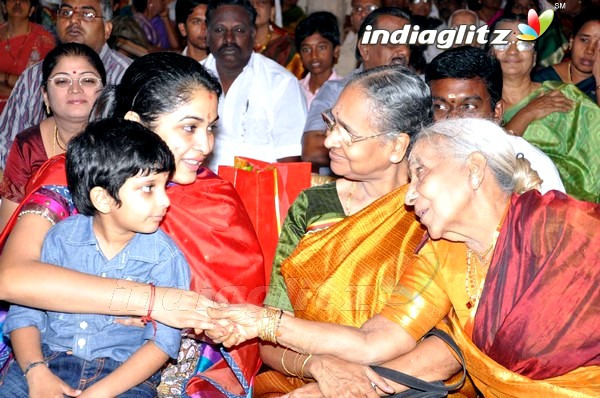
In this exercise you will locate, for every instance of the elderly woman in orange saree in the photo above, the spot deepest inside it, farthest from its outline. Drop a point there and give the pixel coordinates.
(514, 272)
(345, 244)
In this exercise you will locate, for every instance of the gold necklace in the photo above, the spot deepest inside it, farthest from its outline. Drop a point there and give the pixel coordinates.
(258, 48)
(473, 287)
(349, 198)
(56, 141)
(569, 73)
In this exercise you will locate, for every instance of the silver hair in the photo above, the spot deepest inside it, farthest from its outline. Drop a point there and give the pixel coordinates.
(399, 101)
(464, 11)
(459, 138)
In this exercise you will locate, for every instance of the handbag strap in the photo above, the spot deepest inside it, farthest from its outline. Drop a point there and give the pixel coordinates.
(422, 385)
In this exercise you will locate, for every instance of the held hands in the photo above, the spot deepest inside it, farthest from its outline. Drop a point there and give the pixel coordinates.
(45, 384)
(236, 323)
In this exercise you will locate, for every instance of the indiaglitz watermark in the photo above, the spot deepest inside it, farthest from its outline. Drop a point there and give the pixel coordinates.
(443, 39)
(459, 35)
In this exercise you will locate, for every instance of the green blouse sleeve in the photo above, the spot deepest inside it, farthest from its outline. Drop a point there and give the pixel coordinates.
(294, 228)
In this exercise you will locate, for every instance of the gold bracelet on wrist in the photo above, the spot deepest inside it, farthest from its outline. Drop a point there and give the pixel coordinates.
(302, 369)
(269, 323)
(283, 363)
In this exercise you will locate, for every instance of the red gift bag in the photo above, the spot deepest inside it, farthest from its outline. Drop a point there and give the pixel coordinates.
(267, 191)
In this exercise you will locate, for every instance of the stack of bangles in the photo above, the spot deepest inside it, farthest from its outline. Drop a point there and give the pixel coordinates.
(295, 363)
(269, 323)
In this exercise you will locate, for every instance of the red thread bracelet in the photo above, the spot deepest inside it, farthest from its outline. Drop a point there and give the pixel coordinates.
(148, 318)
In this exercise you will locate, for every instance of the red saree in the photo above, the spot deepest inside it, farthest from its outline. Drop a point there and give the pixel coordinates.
(209, 223)
(541, 296)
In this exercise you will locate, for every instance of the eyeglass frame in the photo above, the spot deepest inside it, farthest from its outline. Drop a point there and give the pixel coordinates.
(81, 13)
(71, 80)
(369, 7)
(330, 124)
(507, 46)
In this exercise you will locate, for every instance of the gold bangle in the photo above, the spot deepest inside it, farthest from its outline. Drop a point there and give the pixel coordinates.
(303, 365)
(283, 363)
(269, 323)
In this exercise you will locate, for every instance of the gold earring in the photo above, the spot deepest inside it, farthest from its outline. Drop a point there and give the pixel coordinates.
(48, 109)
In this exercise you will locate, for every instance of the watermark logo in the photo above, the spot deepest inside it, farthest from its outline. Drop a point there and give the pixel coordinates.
(463, 34)
(536, 26)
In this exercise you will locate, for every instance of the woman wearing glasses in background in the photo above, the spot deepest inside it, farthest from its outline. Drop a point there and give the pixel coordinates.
(73, 75)
(332, 266)
(556, 117)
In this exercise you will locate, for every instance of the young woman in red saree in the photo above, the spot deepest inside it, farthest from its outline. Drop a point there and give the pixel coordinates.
(176, 98)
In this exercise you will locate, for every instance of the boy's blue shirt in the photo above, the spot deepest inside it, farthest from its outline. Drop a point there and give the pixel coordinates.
(147, 258)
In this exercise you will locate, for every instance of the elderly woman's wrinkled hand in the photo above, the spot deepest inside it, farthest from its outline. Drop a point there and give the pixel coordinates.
(339, 378)
(244, 319)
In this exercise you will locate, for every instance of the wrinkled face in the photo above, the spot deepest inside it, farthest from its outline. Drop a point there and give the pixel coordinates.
(264, 11)
(194, 29)
(360, 10)
(386, 54)
(361, 160)
(318, 54)
(514, 62)
(75, 29)
(461, 98)
(584, 46)
(144, 203)
(20, 9)
(72, 100)
(439, 190)
(231, 37)
(188, 133)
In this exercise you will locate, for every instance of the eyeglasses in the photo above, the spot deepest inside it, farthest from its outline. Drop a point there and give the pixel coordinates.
(87, 16)
(347, 137)
(521, 45)
(369, 8)
(420, 1)
(85, 82)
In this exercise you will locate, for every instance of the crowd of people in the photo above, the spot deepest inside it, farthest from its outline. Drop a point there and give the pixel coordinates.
(464, 199)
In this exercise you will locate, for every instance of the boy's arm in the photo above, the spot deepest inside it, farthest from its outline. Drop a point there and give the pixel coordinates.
(27, 346)
(137, 369)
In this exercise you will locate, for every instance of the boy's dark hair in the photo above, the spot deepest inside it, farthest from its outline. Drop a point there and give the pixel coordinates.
(107, 153)
(246, 4)
(468, 62)
(323, 23)
(71, 49)
(154, 85)
(183, 9)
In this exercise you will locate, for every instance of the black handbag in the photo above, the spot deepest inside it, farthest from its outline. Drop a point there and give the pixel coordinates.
(424, 389)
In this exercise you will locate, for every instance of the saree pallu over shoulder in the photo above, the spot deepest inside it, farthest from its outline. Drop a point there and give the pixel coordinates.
(494, 380)
(571, 139)
(541, 295)
(346, 273)
(209, 222)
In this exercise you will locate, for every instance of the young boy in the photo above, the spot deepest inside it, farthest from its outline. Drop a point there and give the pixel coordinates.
(318, 42)
(117, 172)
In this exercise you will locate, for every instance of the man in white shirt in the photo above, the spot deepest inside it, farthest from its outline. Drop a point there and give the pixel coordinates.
(262, 109)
